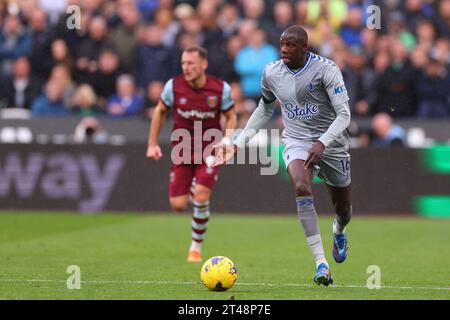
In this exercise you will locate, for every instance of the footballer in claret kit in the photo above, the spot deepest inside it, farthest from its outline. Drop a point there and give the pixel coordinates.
(197, 101)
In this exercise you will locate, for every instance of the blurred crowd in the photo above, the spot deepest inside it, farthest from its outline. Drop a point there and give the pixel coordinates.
(117, 62)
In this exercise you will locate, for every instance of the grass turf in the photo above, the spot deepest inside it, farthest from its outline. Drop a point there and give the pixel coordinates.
(143, 257)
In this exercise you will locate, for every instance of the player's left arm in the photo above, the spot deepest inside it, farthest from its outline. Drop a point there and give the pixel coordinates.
(333, 83)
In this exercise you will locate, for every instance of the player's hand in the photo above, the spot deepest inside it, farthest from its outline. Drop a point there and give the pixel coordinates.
(154, 152)
(315, 153)
(224, 152)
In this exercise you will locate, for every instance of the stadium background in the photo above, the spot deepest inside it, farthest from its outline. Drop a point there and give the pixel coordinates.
(72, 150)
(61, 89)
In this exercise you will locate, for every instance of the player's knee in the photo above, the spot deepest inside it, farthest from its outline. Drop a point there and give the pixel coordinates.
(302, 189)
(201, 197)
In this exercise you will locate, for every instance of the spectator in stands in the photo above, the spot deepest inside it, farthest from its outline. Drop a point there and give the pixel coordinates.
(426, 34)
(15, 41)
(153, 62)
(386, 133)
(89, 50)
(282, 18)
(251, 60)
(441, 51)
(246, 29)
(419, 58)
(359, 137)
(152, 97)
(51, 102)
(60, 54)
(443, 19)
(214, 39)
(381, 62)
(333, 12)
(85, 101)
(170, 28)
(433, 91)
(73, 36)
(360, 81)
(104, 79)
(92, 7)
(42, 37)
(397, 28)
(109, 10)
(323, 40)
(61, 74)
(409, 57)
(147, 8)
(363, 138)
(124, 38)
(54, 8)
(352, 28)
(384, 43)
(340, 57)
(186, 40)
(369, 41)
(221, 64)
(182, 13)
(255, 10)
(395, 87)
(27, 8)
(229, 20)
(415, 12)
(22, 88)
(126, 101)
(301, 13)
(190, 23)
(207, 12)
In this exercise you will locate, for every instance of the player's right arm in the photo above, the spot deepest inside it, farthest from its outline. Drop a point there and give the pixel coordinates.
(159, 115)
(258, 119)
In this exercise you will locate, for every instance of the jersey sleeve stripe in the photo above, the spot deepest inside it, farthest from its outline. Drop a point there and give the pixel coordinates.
(227, 100)
(167, 94)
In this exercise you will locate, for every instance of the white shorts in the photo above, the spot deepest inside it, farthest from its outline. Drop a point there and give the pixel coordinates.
(334, 171)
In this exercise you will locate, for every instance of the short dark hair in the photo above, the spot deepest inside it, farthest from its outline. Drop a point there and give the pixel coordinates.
(298, 31)
(202, 52)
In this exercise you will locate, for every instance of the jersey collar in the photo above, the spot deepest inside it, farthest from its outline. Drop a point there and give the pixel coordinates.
(302, 69)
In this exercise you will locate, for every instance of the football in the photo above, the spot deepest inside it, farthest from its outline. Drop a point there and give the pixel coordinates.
(218, 273)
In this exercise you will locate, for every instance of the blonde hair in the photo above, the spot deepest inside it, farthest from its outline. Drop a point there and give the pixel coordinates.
(85, 91)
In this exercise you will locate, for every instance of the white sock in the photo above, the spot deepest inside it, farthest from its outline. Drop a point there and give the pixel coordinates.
(337, 228)
(199, 224)
(310, 223)
(315, 244)
(195, 246)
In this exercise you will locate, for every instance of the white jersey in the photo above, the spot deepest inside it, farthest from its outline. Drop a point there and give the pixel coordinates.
(307, 99)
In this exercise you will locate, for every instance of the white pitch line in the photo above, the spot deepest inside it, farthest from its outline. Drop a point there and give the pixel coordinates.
(237, 284)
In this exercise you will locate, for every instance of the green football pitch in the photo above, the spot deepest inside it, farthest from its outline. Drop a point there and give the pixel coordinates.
(137, 256)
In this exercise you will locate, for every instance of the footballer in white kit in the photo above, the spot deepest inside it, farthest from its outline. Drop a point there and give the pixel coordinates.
(308, 97)
(315, 110)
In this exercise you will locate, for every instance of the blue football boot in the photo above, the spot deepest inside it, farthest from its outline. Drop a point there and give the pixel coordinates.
(340, 247)
(323, 275)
